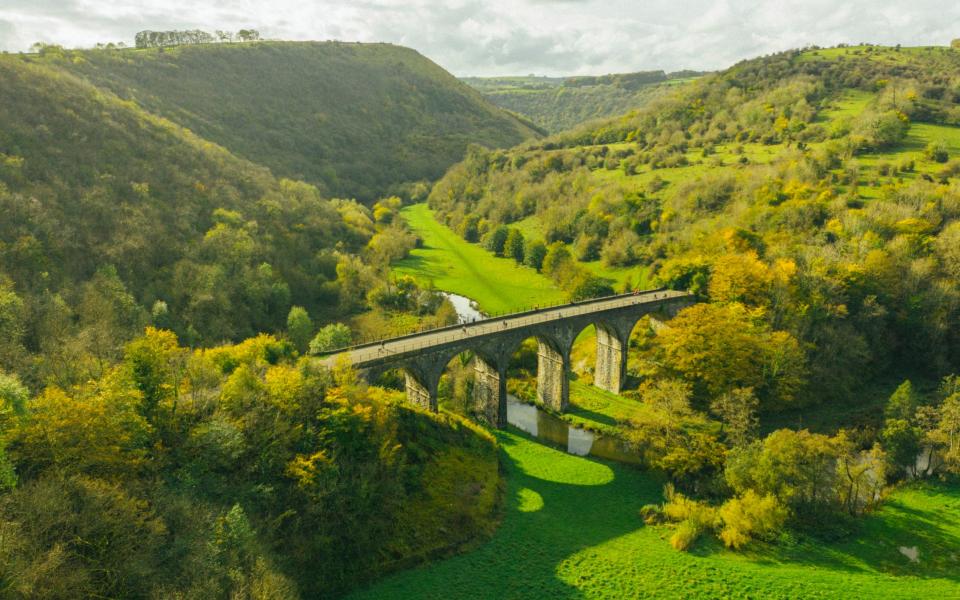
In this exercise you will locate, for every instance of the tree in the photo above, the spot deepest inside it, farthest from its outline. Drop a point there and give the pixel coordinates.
(96, 429)
(955, 44)
(862, 474)
(671, 396)
(331, 337)
(157, 366)
(901, 441)
(299, 327)
(248, 35)
(738, 411)
(496, 240)
(799, 468)
(534, 254)
(12, 326)
(718, 348)
(740, 278)
(902, 403)
(514, 245)
(948, 431)
(557, 262)
(585, 286)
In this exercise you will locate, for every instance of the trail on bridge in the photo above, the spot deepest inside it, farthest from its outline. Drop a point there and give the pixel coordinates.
(411, 343)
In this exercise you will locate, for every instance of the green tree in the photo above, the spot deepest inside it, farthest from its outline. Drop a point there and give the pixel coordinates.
(937, 151)
(902, 403)
(799, 468)
(496, 240)
(331, 337)
(12, 323)
(514, 245)
(534, 254)
(299, 327)
(557, 262)
(901, 441)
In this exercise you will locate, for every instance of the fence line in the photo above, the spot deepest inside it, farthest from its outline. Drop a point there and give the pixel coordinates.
(525, 314)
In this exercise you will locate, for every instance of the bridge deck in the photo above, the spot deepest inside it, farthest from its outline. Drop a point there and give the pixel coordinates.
(378, 351)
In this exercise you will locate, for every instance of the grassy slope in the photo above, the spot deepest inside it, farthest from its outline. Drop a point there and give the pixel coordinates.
(453, 265)
(572, 531)
(353, 118)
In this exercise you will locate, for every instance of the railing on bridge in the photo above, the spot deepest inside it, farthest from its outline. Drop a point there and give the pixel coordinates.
(370, 341)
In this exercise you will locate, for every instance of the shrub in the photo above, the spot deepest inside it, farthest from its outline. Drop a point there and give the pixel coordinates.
(937, 151)
(686, 534)
(652, 514)
(750, 516)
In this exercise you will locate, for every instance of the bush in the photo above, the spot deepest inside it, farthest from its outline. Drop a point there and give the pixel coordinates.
(937, 151)
(652, 514)
(686, 534)
(750, 516)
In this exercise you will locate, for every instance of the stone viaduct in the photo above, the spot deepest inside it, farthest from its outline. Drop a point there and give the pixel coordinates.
(423, 357)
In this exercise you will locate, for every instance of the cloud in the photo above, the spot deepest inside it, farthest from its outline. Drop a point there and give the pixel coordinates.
(485, 37)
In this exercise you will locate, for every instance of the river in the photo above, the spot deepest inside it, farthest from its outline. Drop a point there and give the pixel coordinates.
(468, 311)
(543, 425)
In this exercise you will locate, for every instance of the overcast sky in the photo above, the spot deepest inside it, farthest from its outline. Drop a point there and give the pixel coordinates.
(496, 37)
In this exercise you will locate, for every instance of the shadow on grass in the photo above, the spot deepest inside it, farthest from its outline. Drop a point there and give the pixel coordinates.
(874, 544)
(591, 415)
(556, 505)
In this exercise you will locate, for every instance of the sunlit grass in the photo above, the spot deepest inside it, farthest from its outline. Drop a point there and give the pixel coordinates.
(449, 263)
(572, 530)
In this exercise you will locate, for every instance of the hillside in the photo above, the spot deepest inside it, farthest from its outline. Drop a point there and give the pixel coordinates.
(139, 455)
(356, 120)
(111, 208)
(168, 188)
(560, 103)
(115, 218)
(817, 187)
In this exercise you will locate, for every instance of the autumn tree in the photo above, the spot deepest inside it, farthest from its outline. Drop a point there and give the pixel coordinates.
(718, 348)
(737, 410)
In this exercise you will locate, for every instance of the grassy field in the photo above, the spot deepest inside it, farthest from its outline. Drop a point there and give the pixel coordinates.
(572, 530)
(453, 265)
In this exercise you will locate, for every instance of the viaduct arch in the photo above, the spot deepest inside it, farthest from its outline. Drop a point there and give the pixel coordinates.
(423, 357)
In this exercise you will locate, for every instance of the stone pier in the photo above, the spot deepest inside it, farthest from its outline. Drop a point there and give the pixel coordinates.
(553, 387)
(421, 395)
(490, 391)
(611, 366)
(424, 356)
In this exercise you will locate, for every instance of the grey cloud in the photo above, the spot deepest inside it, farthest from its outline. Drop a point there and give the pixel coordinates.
(480, 37)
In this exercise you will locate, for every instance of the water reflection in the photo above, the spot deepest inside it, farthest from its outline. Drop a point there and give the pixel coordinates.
(542, 425)
(558, 432)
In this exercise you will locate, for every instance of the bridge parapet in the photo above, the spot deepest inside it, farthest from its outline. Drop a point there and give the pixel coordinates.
(424, 356)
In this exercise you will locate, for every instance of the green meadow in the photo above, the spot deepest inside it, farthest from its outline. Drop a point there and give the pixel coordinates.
(449, 263)
(571, 529)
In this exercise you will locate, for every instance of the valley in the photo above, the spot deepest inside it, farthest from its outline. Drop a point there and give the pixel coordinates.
(258, 335)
